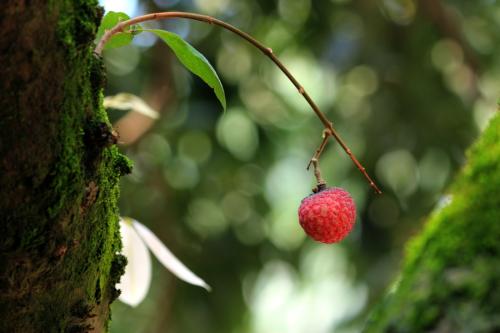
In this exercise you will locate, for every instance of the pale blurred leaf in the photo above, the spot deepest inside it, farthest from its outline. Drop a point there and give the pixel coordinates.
(166, 257)
(135, 283)
(126, 101)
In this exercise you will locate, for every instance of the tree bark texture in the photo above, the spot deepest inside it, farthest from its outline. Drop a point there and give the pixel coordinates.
(59, 171)
(450, 281)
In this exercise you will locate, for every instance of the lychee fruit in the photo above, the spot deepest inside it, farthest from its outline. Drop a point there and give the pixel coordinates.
(328, 215)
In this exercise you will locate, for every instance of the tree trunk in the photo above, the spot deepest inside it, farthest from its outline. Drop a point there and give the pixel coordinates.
(59, 171)
(450, 280)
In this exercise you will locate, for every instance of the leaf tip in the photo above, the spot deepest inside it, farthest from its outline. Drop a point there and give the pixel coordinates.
(207, 287)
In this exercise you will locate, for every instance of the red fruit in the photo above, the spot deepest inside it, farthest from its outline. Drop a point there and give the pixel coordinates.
(328, 216)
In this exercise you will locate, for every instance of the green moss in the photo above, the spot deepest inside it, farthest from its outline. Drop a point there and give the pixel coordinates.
(76, 29)
(451, 276)
(97, 80)
(60, 260)
(123, 165)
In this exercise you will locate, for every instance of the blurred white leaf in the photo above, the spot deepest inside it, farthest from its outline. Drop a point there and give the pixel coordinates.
(126, 101)
(136, 281)
(166, 257)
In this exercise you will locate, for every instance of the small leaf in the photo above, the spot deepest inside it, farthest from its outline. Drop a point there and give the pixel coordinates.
(126, 101)
(194, 61)
(119, 39)
(167, 259)
(135, 283)
(110, 20)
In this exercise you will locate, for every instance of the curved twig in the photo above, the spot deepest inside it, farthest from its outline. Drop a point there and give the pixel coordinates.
(266, 50)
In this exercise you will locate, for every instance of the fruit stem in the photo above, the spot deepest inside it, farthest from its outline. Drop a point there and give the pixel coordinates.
(326, 134)
(120, 27)
(320, 182)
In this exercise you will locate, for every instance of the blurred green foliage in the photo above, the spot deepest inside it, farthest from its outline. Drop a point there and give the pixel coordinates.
(407, 84)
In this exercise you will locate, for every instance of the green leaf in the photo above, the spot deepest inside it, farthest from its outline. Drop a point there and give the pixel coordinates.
(194, 61)
(119, 39)
(109, 21)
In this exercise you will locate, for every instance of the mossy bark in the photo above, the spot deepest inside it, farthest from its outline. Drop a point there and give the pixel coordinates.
(450, 280)
(59, 171)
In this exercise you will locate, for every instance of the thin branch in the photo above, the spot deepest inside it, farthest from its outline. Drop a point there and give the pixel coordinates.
(317, 153)
(120, 27)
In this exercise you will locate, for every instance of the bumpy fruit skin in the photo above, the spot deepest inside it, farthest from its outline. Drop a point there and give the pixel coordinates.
(328, 216)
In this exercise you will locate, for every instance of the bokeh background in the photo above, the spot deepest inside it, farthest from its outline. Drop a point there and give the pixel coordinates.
(408, 84)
